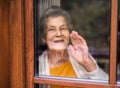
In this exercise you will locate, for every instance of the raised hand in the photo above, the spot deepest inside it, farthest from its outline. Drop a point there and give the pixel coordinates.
(80, 53)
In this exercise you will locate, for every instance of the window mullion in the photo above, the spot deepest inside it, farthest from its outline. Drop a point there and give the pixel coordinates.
(113, 41)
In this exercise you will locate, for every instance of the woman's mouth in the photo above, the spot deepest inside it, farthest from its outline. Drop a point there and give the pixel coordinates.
(58, 41)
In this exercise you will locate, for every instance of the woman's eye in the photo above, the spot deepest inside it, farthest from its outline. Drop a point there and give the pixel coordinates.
(63, 28)
(51, 29)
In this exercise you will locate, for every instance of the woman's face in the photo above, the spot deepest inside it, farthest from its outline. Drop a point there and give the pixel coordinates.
(57, 36)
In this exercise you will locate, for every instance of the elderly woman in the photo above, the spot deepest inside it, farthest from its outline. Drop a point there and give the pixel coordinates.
(62, 58)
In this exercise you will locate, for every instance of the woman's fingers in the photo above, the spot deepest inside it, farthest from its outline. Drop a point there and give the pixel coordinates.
(76, 39)
(73, 38)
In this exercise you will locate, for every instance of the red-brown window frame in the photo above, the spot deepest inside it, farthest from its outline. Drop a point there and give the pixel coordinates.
(29, 52)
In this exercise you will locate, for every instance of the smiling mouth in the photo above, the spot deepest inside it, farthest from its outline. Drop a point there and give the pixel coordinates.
(58, 41)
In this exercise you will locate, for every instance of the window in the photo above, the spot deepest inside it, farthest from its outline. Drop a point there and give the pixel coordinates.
(31, 79)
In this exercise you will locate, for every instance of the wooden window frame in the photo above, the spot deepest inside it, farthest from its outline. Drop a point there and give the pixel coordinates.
(29, 53)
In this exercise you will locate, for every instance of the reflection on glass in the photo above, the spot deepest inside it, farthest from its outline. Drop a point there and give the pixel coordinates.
(70, 42)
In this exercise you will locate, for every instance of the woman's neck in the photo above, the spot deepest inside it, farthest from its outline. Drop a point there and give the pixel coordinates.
(56, 58)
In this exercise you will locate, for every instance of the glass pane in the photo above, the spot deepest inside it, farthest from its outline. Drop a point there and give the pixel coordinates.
(92, 20)
(88, 22)
(118, 48)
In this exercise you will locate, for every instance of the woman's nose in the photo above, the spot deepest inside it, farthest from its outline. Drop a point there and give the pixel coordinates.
(58, 32)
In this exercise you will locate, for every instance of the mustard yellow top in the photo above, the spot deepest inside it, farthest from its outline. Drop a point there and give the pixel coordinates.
(65, 69)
